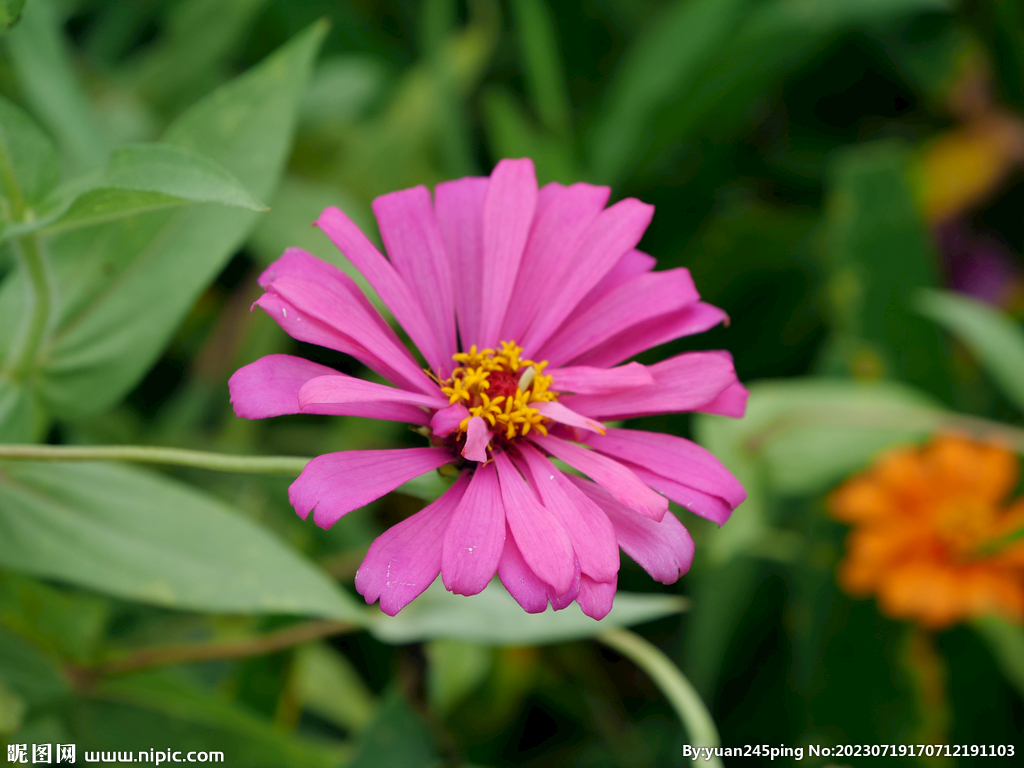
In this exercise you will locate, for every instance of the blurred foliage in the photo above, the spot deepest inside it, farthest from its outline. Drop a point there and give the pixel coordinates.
(806, 158)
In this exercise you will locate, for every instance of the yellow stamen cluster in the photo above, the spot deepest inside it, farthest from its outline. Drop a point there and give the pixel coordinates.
(508, 413)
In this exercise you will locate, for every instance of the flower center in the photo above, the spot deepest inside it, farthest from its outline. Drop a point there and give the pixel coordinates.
(499, 386)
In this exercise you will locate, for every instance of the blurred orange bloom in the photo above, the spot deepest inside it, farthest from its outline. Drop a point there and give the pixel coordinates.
(932, 533)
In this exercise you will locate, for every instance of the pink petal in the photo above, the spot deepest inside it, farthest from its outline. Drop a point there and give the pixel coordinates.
(673, 457)
(696, 318)
(620, 481)
(478, 437)
(304, 327)
(590, 531)
(475, 535)
(334, 484)
(270, 387)
(508, 213)
(341, 389)
(405, 559)
(562, 601)
(586, 380)
(296, 262)
(413, 240)
(596, 597)
(663, 549)
(459, 206)
(388, 284)
(559, 413)
(615, 231)
(447, 420)
(316, 300)
(700, 503)
(682, 383)
(563, 216)
(651, 294)
(539, 533)
(731, 402)
(631, 264)
(522, 583)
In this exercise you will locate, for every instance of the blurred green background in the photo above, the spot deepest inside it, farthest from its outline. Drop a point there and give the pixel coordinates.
(815, 163)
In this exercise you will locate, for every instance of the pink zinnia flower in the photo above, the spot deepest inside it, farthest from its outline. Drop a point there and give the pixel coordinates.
(523, 302)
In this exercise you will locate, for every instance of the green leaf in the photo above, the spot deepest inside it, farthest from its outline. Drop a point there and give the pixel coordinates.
(455, 670)
(995, 339)
(511, 133)
(125, 286)
(29, 674)
(542, 65)
(195, 718)
(327, 685)
(807, 434)
(10, 12)
(28, 163)
(12, 709)
(494, 618)
(65, 624)
(138, 178)
(139, 535)
(880, 254)
(397, 738)
(665, 59)
(47, 79)
(1006, 641)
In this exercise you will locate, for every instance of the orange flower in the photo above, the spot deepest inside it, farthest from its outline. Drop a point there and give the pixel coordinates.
(928, 533)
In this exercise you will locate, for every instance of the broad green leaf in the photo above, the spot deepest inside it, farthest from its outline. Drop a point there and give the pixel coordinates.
(807, 434)
(397, 738)
(494, 618)
(65, 624)
(28, 162)
(22, 419)
(196, 719)
(1006, 641)
(542, 64)
(996, 340)
(10, 12)
(327, 685)
(880, 253)
(31, 676)
(665, 59)
(138, 178)
(142, 536)
(47, 79)
(455, 669)
(125, 286)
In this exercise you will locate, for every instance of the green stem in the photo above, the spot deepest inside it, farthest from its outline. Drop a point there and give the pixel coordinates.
(32, 260)
(677, 689)
(146, 454)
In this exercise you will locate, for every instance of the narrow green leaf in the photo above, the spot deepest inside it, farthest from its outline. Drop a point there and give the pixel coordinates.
(665, 59)
(542, 64)
(995, 339)
(1006, 641)
(397, 738)
(126, 285)
(494, 618)
(512, 133)
(210, 722)
(12, 709)
(47, 78)
(139, 535)
(879, 254)
(455, 670)
(329, 686)
(30, 675)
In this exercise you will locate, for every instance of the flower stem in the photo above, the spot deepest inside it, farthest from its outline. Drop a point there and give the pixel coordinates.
(677, 689)
(147, 454)
(148, 658)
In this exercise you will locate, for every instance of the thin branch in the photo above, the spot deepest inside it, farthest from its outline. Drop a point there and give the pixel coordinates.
(147, 454)
(231, 649)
